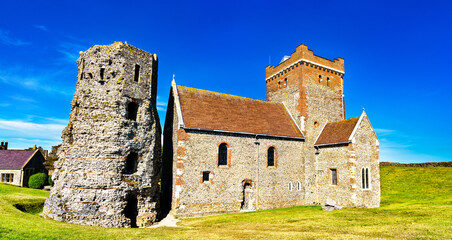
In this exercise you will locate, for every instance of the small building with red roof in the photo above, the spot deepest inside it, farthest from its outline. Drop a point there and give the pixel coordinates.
(16, 166)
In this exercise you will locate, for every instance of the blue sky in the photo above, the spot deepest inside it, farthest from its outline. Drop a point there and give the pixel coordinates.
(397, 59)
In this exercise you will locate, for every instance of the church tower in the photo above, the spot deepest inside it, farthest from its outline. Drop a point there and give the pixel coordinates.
(312, 89)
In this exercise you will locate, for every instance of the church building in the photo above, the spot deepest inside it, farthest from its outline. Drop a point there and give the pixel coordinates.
(224, 153)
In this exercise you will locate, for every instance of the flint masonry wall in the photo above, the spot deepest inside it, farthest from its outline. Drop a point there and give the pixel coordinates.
(108, 169)
(349, 160)
(312, 89)
(197, 151)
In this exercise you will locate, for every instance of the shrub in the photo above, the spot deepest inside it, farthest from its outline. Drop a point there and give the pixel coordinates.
(50, 181)
(37, 180)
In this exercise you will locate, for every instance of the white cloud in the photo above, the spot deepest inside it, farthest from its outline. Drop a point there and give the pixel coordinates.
(70, 50)
(383, 132)
(42, 134)
(41, 27)
(31, 79)
(7, 39)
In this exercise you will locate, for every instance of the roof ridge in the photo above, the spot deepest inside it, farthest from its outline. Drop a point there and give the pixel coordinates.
(231, 95)
(344, 119)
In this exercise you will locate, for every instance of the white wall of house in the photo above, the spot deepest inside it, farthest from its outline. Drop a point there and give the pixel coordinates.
(17, 179)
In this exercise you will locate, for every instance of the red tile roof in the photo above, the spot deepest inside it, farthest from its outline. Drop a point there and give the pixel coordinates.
(337, 132)
(217, 111)
(14, 159)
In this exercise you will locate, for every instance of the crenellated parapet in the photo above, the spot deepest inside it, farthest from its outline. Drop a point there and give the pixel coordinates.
(304, 57)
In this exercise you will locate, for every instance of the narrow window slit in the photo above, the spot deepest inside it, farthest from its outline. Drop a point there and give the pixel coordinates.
(137, 72)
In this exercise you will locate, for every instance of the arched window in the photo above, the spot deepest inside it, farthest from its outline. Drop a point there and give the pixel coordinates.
(223, 154)
(271, 157)
(320, 78)
(290, 186)
(328, 81)
(365, 178)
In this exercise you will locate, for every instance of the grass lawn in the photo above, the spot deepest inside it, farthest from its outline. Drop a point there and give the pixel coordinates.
(416, 203)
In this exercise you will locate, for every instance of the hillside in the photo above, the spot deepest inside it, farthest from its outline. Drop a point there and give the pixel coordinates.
(416, 202)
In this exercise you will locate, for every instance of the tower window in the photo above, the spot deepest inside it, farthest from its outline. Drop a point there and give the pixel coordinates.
(205, 176)
(102, 71)
(131, 163)
(327, 81)
(320, 78)
(333, 173)
(285, 82)
(290, 186)
(132, 110)
(298, 186)
(137, 72)
(279, 84)
(271, 157)
(222, 154)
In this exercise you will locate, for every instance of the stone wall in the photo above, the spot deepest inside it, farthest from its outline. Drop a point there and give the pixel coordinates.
(108, 168)
(365, 149)
(349, 160)
(313, 94)
(197, 152)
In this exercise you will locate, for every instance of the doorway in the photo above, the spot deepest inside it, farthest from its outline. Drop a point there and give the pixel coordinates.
(131, 209)
(248, 197)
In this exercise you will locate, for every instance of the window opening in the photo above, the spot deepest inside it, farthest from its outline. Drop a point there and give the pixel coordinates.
(320, 78)
(205, 176)
(102, 71)
(299, 186)
(328, 81)
(223, 154)
(7, 177)
(290, 186)
(132, 110)
(131, 163)
(131, 209)
(271, 157)
(365, 178)
(137, 72)
(279, 84)
(285, 82)
(333, 176)
(316, 124)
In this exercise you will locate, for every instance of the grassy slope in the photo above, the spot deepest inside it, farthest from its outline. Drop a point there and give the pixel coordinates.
(416, 203)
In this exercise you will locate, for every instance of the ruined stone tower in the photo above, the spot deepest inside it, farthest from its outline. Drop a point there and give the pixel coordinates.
(108, 169)
(312, 89)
